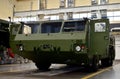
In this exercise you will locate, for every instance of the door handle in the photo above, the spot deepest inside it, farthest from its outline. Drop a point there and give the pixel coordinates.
(106, 37)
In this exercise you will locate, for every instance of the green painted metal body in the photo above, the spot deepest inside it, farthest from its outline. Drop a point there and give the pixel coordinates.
(61, 47)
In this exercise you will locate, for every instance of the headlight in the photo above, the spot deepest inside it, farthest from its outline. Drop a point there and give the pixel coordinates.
(21, 48)
(78, 48)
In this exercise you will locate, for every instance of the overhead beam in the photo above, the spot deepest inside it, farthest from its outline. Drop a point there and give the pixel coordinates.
(115, 6)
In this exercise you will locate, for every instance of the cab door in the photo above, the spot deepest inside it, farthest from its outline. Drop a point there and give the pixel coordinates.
(99, 36)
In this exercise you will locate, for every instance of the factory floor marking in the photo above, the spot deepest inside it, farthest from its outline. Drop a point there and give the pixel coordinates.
(96, 73)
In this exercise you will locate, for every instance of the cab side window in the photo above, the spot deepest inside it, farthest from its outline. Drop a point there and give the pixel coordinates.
(52, 27)
(100, 27)
(34, 27)
(74, 26)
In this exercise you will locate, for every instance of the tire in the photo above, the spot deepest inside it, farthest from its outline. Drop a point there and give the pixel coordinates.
(111, 55)
(107, 62)
(103, 62)
(43, 66)
(95, 64)
(110, 62)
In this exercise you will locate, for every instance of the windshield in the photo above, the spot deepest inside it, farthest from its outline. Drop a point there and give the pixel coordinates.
(74, 26)
(52, 27)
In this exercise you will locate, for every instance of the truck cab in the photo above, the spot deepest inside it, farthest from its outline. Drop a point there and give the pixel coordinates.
(81, 42)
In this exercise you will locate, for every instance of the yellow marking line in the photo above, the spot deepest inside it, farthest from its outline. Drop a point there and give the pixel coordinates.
(96, 73)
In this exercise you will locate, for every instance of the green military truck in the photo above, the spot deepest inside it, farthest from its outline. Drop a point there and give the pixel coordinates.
(80, 42)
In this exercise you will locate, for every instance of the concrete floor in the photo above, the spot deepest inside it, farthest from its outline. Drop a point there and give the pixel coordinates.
(112, 73)
(57, 71)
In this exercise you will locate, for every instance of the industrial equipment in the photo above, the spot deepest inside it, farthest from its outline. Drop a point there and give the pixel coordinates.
(81, 42)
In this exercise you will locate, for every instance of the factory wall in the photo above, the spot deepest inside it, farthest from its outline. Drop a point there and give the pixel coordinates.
(82, 2)
(26, 5)
(6, 9)
(53, 4)
(114, 1)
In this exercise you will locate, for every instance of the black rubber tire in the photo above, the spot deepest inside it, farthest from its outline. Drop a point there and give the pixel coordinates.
(107, 62)
(111, 55)
(103, 62)
(43, 66)
(95, 64)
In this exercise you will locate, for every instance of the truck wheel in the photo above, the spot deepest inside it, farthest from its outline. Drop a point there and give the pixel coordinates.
(111, 55)
(110, 62)
(112, 52)
(95, 64)
(107, 62)
(104, 62)
(43, 66)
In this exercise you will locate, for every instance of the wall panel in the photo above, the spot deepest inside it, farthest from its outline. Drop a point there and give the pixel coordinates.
(6, 9)
(82, 2)
(27, 5)
(53, 4)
